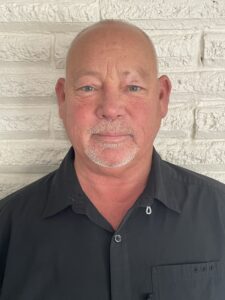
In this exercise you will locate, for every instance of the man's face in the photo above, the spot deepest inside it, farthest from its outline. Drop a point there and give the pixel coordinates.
(113, 101)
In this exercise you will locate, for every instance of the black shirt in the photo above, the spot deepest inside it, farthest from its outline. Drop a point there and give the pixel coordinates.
(55, 245)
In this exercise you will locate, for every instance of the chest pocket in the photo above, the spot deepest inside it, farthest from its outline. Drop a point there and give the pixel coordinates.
(198, 281)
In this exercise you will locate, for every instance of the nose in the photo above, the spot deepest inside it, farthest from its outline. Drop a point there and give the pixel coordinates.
(110, 105)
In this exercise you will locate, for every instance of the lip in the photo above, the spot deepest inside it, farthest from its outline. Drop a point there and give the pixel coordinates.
(111, 137)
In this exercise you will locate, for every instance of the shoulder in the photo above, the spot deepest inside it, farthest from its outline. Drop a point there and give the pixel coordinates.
(193, 184)
(186, 175)
(36, 192)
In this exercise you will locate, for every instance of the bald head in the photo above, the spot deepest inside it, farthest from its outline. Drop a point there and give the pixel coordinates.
(112, 31)
(112, 100)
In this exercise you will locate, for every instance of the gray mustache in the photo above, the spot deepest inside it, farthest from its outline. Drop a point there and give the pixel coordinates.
(111, 127)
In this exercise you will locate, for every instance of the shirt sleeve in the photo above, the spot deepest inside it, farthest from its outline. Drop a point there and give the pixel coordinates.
(4, 239)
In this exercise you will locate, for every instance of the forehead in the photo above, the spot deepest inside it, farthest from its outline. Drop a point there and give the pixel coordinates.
(110, 46)
(132, 73)
(114, 33)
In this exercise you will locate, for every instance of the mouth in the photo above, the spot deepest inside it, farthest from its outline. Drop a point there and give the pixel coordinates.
(109, 137)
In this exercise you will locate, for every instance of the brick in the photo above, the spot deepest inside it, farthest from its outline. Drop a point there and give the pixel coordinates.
(9, 183)
(214, 50)
(39, 11)
(16, 121)
(162, 9)
(199, 155)
(210, 122)
(168, 24)
(178, 122)
(40, 156)
(176, 50)
(25, 48)
(62, 45)
(204, 83)
(27, 85)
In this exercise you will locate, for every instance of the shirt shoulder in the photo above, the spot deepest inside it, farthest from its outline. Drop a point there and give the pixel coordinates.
(187, 186)
(191, 178)
(36, 191)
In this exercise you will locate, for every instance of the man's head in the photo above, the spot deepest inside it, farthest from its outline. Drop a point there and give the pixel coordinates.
(112, 101)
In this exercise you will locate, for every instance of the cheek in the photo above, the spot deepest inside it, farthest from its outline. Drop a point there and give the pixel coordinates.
(79, 116)
(146, 119)
(140, 112)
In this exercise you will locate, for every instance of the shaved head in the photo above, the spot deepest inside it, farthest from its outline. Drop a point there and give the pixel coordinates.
(112, 100)
(112, 29)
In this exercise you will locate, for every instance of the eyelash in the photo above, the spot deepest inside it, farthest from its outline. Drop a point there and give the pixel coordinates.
(139, 88)
(83, 88)
(89, 88)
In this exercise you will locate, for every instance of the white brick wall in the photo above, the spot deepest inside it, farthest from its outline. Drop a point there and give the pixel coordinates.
(34, 37)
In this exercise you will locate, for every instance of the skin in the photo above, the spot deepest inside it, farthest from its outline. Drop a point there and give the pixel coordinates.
(112, 103)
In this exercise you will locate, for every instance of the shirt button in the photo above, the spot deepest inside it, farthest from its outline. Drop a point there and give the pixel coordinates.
(118, 238)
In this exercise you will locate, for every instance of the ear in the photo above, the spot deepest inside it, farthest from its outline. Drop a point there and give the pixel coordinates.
(164, 94)
(60, 93)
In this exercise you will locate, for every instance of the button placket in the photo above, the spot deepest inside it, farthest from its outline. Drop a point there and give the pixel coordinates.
(119, 267)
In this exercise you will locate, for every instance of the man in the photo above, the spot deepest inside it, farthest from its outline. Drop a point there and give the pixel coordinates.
(114, 221)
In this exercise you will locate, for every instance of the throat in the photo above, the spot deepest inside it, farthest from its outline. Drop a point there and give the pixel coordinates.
(113, 214)
(113, 196)
(114, 209)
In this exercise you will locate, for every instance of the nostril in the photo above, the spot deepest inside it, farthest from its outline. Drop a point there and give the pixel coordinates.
(110, 109)
(110, 116)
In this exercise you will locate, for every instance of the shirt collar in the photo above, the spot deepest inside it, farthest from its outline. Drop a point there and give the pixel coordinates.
(66, 191)
(168, 189)
(162, 186)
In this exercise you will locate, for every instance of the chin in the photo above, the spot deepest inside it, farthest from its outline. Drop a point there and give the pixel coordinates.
(112, 158)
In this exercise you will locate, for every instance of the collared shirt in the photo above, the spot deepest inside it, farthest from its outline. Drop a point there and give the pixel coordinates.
(55, 245)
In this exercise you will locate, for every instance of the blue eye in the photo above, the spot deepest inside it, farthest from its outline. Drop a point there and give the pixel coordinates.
(87, 88)
(134, 88)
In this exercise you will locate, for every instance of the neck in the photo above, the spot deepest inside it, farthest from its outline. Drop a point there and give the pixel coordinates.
(120, 186)
(101, 178)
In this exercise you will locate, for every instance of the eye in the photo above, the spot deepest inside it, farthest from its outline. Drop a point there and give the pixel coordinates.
(134, 88)
(87, 88)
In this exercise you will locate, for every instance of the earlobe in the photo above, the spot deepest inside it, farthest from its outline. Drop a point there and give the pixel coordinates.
(60, 93)
(164, 94)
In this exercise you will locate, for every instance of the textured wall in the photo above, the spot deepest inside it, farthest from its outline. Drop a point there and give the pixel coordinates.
(34, 36)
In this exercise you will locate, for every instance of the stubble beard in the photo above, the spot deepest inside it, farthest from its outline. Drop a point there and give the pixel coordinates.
(115, 154)
(97, 157)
